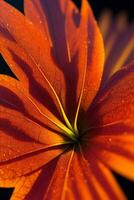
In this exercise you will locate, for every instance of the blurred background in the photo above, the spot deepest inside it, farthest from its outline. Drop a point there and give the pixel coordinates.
(116, 6)
(98, 5)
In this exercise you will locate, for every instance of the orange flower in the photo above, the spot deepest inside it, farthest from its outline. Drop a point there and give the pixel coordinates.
(60, 135)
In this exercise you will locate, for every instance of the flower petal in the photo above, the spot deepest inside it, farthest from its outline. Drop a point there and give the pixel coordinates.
(120, 33)
(28, 74)
(56, 19)
(105, 22)
(90, 57)
(113, 124)
(22, 185)
(115, 103)
(87, 22)
(42, 182)
(101, 181)
(14, 96)
(115, 149)
(23, 36)
(118, 163)
(72, 22)
(60, 20)
(23, 136)
(38, 54)
(20, 144)
(60, 178)
(108, 24)
(76, 179)
(11, 168)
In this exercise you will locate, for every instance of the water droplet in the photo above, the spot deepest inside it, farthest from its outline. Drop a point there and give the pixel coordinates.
(11, 10)
(123, 101)
(4, 155)
(54, 191)
(30, 22)
(85, 181)
(72, 178)
(1, 171)
(110, 139)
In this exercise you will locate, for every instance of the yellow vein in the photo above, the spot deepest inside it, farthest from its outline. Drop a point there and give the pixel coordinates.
(85, 16)
(80, 99)
(58, 100)
(67, 131)
(53, 90)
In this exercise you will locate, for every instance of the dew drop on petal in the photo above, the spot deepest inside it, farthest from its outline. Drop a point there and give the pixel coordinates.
(89, 42)
(122, 101)
(4, 155)
(1, 171)
(30, 22)
(11, 10)
(54, 191)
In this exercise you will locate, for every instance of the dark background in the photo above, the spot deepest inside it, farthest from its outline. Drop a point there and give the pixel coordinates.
(98, 6)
